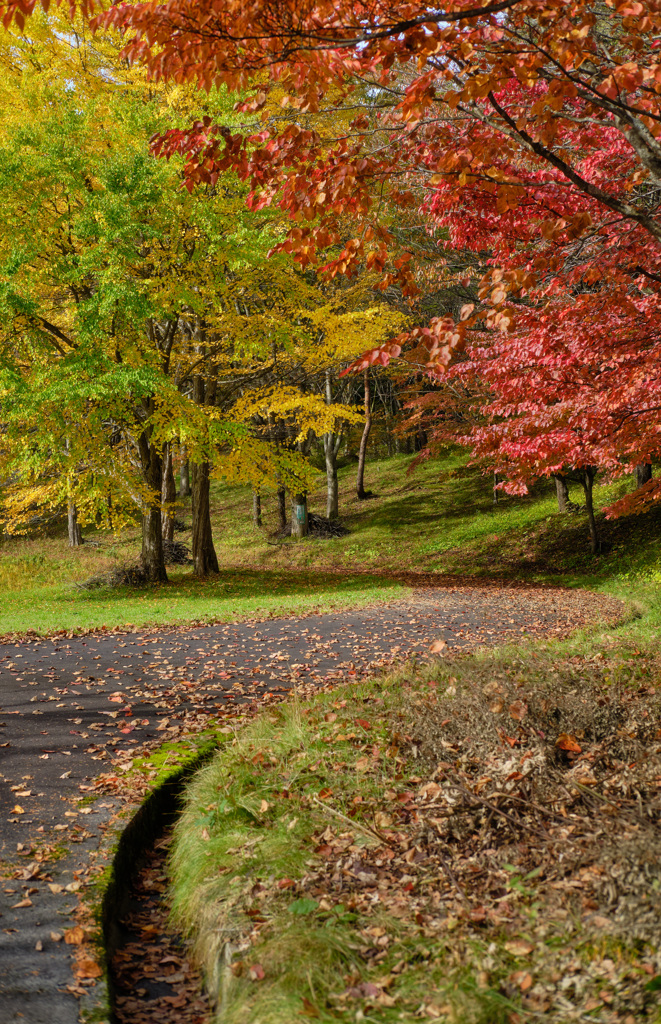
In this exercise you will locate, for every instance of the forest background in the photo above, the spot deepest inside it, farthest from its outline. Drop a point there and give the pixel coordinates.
(369, 244)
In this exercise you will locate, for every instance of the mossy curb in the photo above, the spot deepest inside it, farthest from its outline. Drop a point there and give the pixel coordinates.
(128, 853)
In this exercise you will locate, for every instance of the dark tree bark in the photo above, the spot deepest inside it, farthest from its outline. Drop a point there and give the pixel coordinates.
(587, 479)
(282, 508)
(562, 490)
(152, 526)
(184, 475)
(360, 479)
(643, 474)
(256, 508)
(205, 560)
(169, 495)
(299, 516)
(332, 442)
(495, 488)
(75, 533)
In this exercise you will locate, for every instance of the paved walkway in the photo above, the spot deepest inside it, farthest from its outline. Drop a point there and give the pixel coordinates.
(68, 706)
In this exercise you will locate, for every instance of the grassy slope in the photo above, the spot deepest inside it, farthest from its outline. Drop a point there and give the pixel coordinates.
(439, 519)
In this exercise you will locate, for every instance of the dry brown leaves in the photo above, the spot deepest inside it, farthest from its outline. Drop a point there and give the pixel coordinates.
(152, 973)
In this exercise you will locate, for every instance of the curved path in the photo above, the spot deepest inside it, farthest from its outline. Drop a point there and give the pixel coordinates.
(70, 708)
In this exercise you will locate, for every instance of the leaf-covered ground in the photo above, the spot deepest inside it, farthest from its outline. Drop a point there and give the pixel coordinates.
(474, 842)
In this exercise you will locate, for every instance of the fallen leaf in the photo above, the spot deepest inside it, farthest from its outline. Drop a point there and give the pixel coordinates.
(87, 969)
(518, 710)
(21, 904)
(437, 647)
(256, 972)
(519, 947)
(74, 936)
(523, 980)
(567, 742)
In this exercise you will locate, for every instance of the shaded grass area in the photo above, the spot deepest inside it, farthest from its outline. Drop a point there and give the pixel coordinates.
(232, 595)
(475, 841)
(440, 519)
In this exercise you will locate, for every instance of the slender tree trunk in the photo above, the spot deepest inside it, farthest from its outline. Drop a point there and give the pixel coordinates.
(282, 508)
(299, 517)
(562, 490)
(332, 487)
(169, 495)
(360, 480)
(205, 560)
(332, 442)
(643, 474)
(495, 488)
(152, 526)
(587, 479)
(75, 533)
(389, 437)
(184, 475)
(256, 508)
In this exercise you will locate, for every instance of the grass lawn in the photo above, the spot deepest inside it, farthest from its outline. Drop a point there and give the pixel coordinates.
(438, 520)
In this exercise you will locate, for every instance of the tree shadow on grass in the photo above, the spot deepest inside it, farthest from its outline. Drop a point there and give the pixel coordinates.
(242, 584)
(560, 547)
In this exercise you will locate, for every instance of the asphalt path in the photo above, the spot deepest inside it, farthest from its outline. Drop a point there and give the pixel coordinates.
(72, 707)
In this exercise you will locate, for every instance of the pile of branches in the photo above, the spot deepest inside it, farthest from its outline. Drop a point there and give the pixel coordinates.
(319, 526)
(176, 553)
(121, 576)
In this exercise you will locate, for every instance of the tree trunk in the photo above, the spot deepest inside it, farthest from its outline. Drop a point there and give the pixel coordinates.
(389, 438)
(75, 534)
(562, 490)
(495, 488)
(205, 560)
(256, 508)
(587, 479)
(169, 495)
(299, 517)
(152, 527)
(282, 508)
(332, 488)
(360, 480)
(643, 474)
(184, 475)
(332, 442)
